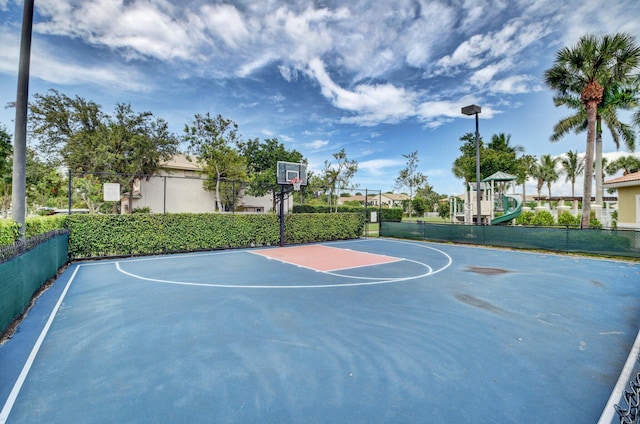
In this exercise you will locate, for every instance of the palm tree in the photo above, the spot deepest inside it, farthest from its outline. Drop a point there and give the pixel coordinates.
(585, 70)
(545, 172)
(573, 167)
(526, 168)
(548, 171)
(538, 173)
(614, 98)
(627, 164)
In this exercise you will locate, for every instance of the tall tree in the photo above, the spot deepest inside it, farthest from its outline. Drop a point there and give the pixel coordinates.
(67, 129)
(6, 163)
(214, 140)
(614, 98)
(410, 178)
(134, 145)
(627, 164)
(261, 159)
(545, 172)
(526, 166)
(76, 133)
(585, 69)
(548, 170)
(337, 176)
(573, 166)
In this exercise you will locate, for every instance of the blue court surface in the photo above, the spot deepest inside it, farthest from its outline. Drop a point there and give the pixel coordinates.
(437, 333)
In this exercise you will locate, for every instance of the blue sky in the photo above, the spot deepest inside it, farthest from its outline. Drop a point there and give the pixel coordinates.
(379, 79)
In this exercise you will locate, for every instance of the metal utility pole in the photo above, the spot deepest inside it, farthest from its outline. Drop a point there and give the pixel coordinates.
(475, 110)
(19, 195)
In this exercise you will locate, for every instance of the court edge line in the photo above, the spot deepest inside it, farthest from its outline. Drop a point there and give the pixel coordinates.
(371, 283)
(317, 286)
(8, 406)
(616, 394)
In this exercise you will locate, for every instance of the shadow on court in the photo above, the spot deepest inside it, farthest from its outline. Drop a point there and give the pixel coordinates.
(429, 333)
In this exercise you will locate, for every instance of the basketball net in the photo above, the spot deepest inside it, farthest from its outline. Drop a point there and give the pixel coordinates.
(296, 182)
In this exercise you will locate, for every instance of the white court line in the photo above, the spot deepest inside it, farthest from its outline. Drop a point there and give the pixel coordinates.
(625, 376)
(316, 286)
(8, 405)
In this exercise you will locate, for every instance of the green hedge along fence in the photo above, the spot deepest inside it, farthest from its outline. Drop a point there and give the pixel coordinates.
(117, 235)
(568, 240)
(26, 266)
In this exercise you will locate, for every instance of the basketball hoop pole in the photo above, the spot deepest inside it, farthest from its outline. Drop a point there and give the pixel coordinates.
(281, 215)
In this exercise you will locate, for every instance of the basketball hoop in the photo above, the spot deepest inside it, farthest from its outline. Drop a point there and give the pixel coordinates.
(296, 183)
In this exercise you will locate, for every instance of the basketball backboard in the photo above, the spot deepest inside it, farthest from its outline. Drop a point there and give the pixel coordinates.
(291, 170)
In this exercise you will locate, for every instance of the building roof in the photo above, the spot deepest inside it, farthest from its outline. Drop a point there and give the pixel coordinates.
(500, 176)
(182, 162)
(632, 179)
(396, 197)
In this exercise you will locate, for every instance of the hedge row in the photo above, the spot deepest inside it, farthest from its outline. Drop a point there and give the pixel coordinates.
(305, 228)
(116, 235)
(36, 225)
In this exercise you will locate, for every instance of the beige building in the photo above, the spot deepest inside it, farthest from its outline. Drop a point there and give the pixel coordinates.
(178, 187)
(628, 187)
(387, 200)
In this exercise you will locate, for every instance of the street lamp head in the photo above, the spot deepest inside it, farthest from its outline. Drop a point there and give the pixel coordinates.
(471, 110)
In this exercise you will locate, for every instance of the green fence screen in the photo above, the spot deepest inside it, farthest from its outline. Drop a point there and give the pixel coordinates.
(623, 243)
(22, 275)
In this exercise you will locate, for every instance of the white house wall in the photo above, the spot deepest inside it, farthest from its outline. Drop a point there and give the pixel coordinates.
(173, 194)
(182, 195)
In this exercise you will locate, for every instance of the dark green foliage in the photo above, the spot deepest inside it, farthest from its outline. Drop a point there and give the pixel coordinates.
(325, 209)
(391, 215)
(557, 239)
(543, 219)
(8, 231)
(593, 221)
(117, 235)
(305, 228)
(525, 218)
(566, 218)
(109, 235)
(35, 226)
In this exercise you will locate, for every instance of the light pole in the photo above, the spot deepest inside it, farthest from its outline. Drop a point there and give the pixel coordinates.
(475, 110)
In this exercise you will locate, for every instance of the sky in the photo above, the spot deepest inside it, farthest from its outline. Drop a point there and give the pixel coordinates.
(379, 79)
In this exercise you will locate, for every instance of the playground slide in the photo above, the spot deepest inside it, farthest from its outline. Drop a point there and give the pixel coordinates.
(510, 213)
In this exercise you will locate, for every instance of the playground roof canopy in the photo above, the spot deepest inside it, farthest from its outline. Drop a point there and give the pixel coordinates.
(500, 176)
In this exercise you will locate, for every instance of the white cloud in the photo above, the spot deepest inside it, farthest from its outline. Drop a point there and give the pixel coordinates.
(515, 84)
(372, 104)
(48, 66)
(317, 144)
(226, 22)
(378, 166)
(483, 49)
(140, 29)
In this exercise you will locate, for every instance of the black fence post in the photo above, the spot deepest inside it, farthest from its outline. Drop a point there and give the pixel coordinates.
(70, 194)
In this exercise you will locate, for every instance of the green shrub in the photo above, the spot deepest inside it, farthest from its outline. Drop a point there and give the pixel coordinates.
(8, 231)
(593, 221)
(118, 235)
(146, 209)
(391, 214)
(35, 225)
(525, 218)
(543, 219)
(567, 219)
(614, 219)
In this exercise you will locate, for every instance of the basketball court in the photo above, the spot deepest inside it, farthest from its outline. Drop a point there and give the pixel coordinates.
(369, 331)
